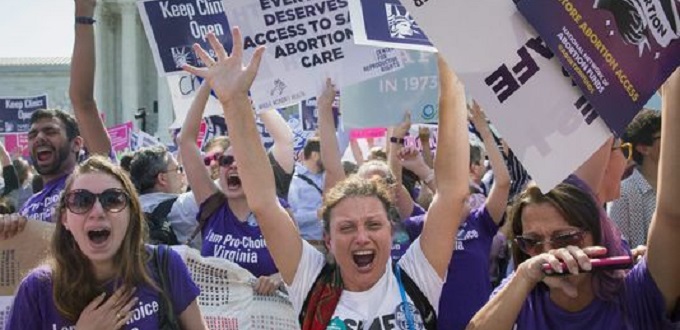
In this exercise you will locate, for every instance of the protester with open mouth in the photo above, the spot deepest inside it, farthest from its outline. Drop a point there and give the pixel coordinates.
(360, 287)
(228, 227)
(100, 274)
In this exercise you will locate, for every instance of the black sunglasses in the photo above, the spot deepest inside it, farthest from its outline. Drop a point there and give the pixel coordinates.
(533, 246)
(80, 201)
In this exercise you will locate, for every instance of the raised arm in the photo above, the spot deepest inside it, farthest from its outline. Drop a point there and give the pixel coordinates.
(330, 154)
(424, 137)
(197, 175)
(231, 81)
(664, 231)
(403, 201)
(498, 196)
(356, 151)
(451, 173)
(81, 90)
(282, 149)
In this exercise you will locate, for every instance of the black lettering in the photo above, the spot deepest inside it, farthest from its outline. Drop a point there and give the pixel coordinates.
(527, 65)
(537, 45)
(502, 83)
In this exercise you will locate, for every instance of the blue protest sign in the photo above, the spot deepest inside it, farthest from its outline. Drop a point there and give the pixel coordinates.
(173, 26)
(617, 52)
(382, 101)
(15, 112)
(387, 23)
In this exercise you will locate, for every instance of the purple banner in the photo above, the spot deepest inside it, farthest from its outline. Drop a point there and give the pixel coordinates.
(617, 51)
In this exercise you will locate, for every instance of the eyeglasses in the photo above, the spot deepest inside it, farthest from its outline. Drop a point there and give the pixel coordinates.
(626, 149)
(222, 160)
(533, 246)
(80, 201)
(178, 169)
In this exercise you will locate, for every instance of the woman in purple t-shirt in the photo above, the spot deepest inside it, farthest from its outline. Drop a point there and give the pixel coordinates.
(566, 225)
(100, 272)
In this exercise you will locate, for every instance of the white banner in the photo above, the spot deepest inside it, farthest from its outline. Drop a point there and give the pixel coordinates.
(306, 43)
(227, 299)
(183, 90)
(511, 73)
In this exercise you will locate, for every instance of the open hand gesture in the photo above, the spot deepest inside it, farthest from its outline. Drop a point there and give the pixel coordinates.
(227, 76)
(110, 314)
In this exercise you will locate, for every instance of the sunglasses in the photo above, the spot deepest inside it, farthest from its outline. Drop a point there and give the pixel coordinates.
(533, 246)
(178, 169)
(626, 149)
(222, 160)
(80, 201)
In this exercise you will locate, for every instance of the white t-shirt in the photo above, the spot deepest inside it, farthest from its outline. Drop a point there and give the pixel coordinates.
(380, 307)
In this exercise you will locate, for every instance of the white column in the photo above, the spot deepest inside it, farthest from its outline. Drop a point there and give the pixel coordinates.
(129, 63)
(166, 115)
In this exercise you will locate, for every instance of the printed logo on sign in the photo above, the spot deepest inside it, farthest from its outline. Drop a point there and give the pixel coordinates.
(181, 55)
(429, 112)
(279, 86)
(401, 24)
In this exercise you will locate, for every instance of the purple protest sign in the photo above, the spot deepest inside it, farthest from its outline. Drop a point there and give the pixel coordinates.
(617, 51)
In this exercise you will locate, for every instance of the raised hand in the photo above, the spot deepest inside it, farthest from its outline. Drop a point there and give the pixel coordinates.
(110, 314)
(327, 97)
(266, 285)
(227, 76)
(412, 160)
(402, 129)
(477, 116)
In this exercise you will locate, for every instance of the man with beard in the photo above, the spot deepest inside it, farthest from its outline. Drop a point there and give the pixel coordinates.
(55, 138)
(306, 190)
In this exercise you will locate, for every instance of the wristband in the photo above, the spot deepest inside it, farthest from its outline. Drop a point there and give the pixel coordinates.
(397, 140)
(85, 20)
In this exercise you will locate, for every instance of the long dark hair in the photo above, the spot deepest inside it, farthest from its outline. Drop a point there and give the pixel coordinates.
(74, 281)
(580, 210)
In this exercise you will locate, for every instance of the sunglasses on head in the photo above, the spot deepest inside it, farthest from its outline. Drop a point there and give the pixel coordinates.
(533, 245)
(80, 201)
(222, 160)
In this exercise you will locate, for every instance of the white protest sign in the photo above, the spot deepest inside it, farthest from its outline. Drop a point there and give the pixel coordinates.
(183, 90)
(306, 43)
(227, 299)
(511, 73)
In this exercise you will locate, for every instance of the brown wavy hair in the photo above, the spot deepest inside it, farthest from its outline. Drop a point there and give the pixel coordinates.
(356, 186)
(74, 282)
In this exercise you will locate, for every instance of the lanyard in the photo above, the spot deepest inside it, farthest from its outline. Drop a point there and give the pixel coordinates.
(407, 308)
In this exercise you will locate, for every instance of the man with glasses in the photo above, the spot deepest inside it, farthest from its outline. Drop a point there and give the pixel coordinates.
(633, 211)
(161, 184)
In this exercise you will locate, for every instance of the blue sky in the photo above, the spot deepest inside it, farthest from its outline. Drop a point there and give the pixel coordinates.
(36, 28)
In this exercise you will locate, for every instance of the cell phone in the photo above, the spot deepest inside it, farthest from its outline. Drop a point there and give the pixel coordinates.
(611, 263)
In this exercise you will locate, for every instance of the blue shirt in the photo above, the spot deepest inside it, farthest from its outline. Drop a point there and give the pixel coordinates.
(305, 200)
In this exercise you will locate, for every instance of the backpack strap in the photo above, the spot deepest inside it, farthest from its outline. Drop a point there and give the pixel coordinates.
(310, 182)
(322, 299)
(210, 206)
(419, 300)
(163, 208)
(166, 314)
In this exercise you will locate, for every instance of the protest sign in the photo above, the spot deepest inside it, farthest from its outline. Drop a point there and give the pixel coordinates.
(15, 112)
(387, 23)
(618, 52)
(121, 137)
(183, 90)
(306, 43)
(23, 252)
(17, 145)
(227, 299)
(512, 74)
(173, 26)
(382, 101)
(367, 133)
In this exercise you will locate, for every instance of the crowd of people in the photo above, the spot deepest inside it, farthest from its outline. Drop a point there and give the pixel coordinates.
(399, 239)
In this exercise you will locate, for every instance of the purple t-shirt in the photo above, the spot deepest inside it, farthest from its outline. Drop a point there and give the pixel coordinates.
(224, 236)
(41, 205)
(468, 285)
(34, 307)
(640, 305)
(404, 234)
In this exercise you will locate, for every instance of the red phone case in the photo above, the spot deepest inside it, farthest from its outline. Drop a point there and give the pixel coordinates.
(619, 262)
